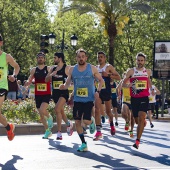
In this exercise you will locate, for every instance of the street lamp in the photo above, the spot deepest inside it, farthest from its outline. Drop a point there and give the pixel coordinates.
(62, 46)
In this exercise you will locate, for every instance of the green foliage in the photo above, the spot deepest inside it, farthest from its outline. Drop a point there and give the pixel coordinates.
(26, 111)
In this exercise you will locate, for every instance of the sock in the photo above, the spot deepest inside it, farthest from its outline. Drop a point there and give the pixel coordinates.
(98, 127)
(82, 138)
(7, 127)
(138, 140)
(68, 123)
(111, 123)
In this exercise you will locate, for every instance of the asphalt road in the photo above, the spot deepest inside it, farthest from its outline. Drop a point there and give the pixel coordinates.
(31, 152)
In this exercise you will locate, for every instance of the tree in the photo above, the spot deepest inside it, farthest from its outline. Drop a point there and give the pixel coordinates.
(113, 15)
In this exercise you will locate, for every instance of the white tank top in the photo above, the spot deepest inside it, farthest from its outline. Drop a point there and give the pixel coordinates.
(152, 98)
(102, 69)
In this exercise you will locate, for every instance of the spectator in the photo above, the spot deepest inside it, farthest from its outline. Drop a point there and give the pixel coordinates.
(13, 89)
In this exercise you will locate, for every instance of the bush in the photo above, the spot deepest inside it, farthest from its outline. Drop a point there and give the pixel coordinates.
(26, 111)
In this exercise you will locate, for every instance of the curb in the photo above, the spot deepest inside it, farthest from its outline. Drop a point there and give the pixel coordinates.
(33, 129)
(38, 128)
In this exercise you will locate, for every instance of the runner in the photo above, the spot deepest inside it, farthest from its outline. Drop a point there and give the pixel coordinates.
(42, 92)
(58, 75)
(126, 110)
(82, 75)
(139, 85)
(108, 72)
(6, 59)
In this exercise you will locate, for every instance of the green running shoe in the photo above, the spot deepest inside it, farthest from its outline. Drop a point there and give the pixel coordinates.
(83, 148)
(92, 126)
(47, 134)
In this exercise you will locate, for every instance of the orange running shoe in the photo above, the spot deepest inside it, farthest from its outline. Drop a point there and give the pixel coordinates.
(127, 126)
(131, 134)
(10, 133)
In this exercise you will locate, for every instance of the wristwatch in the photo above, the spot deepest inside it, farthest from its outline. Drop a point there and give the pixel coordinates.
(15, 76)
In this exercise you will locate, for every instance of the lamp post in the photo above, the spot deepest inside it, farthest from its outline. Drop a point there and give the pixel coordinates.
(62, 46)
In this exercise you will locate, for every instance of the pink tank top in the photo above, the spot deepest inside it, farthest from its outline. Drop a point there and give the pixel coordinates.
(140, 87)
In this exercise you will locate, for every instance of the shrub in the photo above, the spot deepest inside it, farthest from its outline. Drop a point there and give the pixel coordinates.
(25, 111)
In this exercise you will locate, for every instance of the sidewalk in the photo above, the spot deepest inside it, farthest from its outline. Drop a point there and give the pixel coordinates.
(38, 128)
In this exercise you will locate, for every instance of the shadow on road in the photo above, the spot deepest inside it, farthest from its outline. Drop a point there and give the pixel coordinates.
(9, 165)
(103, 158)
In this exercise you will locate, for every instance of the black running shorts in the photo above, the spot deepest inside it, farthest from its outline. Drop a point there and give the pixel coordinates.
(139, 104)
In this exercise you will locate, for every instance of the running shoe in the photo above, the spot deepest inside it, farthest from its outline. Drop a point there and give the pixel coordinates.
(97, 136)
(83, 148)
(136, 145)
(127, 126)
(50, 122)
(131, 134)
(70, 129)
(92, 126)
(112, 130)
(47, 134)
(103, 119)
(116, 123)
(152, 125)
(10, 133)
(59, 136)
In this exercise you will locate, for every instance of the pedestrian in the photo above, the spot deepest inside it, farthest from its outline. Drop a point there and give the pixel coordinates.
(82, 75)
(157, 105)
(107, 72)
(42, 92)
(140, 83)
(12, 89)
(6, 59)
(152, 101)
(58, 75)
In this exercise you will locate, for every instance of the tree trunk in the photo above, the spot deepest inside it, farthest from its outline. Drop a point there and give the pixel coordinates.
(111, 51)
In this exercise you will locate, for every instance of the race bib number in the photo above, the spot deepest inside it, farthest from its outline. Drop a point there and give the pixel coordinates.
(113, 90)
(56, 84)
(150, 98)
(127, 99)
(70, 89)
(103, 86)
(141, 85)
(41, 87)
(1, 75)
(82, 92)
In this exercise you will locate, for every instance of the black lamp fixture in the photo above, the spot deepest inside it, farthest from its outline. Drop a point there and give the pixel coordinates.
(62, 46)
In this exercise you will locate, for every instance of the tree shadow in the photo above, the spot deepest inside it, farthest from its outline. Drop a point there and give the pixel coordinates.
(109, 161)
(162, 159)
(9, 165)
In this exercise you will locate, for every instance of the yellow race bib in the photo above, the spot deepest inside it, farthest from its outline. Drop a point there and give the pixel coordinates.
(127, 99)
(141, 85)
(82, 92)
(103, 86)
(113, 90)
(1, 75)
(56, 84)
(41, 87)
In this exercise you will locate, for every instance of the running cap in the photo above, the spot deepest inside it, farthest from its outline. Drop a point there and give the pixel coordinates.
(141, 54)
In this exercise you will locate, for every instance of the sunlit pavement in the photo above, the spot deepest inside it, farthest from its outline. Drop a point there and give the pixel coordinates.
(112, 152)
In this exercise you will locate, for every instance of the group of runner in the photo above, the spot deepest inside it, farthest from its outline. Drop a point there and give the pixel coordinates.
(93, 87)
